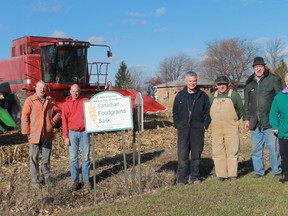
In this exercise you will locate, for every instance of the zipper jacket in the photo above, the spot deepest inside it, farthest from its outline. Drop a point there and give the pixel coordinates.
(279, 115)
(258, 97)
(37, 120)
(193, 114)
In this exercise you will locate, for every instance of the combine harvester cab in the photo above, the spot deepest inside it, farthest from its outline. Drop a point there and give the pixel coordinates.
(59, 62)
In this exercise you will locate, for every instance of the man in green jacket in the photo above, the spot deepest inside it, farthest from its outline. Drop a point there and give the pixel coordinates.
(226, 111)
(260, 89)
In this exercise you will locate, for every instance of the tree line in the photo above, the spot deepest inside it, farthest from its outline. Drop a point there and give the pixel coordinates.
(230, 57)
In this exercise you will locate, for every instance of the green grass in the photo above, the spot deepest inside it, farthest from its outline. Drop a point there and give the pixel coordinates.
(245, 196)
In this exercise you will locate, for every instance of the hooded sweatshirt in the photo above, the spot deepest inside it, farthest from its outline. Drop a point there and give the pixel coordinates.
(73, 115)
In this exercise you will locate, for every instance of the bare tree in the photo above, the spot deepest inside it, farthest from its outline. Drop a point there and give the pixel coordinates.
(151, 82)
(275, 51)
(174, 67)
(281, 71)
(229, 57)
(137, 80)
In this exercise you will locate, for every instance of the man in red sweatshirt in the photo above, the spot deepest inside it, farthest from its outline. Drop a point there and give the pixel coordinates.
(74, 134)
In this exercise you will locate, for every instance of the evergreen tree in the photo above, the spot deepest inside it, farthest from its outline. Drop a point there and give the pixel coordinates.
(123, 77)
(281, 70)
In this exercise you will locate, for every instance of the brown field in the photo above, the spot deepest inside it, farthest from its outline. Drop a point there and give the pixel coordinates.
(158, 168)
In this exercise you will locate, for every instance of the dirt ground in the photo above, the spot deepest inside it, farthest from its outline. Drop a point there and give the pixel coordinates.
(158, 168)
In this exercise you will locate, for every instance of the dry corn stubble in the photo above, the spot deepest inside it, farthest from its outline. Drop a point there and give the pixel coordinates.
(158, 167)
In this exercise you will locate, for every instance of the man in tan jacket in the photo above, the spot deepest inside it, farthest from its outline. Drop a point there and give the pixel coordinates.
(39, 116)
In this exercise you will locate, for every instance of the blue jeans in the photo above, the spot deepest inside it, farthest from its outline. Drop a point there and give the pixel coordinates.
(83, 139)
(260, 137)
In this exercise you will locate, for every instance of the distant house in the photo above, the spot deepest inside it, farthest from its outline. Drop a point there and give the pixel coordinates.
(167, 91)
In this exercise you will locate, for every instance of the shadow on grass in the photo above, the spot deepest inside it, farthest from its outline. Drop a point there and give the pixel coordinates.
(245, 167)
(206, 167)
(119, 164)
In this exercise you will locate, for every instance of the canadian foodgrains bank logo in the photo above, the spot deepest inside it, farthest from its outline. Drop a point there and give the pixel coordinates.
(108, 111)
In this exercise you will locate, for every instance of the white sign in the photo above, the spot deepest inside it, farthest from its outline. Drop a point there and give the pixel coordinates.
(108, 111)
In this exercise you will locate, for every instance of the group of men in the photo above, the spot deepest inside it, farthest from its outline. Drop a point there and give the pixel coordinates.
(40, 115)
(194, 111)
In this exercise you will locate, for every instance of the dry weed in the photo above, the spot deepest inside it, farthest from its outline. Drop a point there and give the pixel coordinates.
(158, 168)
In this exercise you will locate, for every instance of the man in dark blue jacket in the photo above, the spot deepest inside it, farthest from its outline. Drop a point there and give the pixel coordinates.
(191, 117)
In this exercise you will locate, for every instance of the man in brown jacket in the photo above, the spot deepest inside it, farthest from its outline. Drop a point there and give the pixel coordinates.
(39, 116)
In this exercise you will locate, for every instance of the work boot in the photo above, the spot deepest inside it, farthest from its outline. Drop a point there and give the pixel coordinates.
(221, 179)
(256, 176)
(232, 178)
(196, 181)
(284, 180)
(75, 186)
(87, 186)
(41, 179)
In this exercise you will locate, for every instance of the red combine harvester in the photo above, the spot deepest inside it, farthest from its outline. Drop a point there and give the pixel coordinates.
(59, 62)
